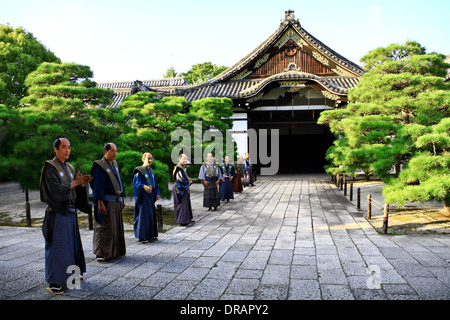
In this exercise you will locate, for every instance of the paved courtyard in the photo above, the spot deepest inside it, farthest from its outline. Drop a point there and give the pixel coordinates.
(290, 237)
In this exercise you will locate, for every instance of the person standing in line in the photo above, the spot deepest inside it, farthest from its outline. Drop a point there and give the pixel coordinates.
(210, 175)
(248, 171)
(181, 195)
(64, 192)
(228, 175)
(237, 181)
(108, 194)
(146, 193)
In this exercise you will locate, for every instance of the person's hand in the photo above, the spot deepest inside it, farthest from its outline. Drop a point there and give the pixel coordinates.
(122, 205)
(148, 189)
(206, 183)
(101, 207)
(190, 182)
(217, 182)
(80, 180)
(157, 197)
(231, 178)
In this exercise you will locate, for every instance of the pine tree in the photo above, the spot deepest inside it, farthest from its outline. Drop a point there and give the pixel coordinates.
(62, 102)
(402, 93)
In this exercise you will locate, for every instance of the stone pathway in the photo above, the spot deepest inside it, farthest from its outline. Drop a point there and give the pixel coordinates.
(291, 237)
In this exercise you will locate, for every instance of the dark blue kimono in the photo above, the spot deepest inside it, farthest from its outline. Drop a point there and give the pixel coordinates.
(181, 196)
(226, 186)
(145, 224)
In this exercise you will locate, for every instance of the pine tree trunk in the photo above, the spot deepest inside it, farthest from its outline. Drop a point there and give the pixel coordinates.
(447, 204)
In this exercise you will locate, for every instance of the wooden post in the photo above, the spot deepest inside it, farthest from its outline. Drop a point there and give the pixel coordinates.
(337, 180)
(27, 208)
(369, 207)
(385, 218)
(345, 187)
(91, 225)
(341, 183)
(358, 198)
(160, 217)
(351, 191)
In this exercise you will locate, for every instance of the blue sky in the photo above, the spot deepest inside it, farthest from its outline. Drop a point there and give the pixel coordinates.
(138, 40)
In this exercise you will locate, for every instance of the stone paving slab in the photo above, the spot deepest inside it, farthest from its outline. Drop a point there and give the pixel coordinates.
(290, 237)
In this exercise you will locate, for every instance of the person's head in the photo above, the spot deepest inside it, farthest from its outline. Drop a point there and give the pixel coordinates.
(61, 146)
(247, 156)
(241, 159)
(209, 157)
(183, 159)
(110, 150)
(147, 159)
(227, 159)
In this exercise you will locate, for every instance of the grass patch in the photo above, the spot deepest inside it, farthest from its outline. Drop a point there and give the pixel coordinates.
(414, 221)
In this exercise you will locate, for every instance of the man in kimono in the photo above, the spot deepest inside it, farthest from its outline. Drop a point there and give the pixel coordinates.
(249, 178)
(239, 170)
(210, 175)
(181, 196)
(64, 192)
(108, 194)
(146, 193)
(228, 174)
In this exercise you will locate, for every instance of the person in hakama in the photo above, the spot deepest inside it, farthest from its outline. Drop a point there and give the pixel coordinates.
(210, 175)
(146, 193)
(228, 175)
(249, 178)
(181, 195)
(64, 192)
(108, 194)
(239, 170)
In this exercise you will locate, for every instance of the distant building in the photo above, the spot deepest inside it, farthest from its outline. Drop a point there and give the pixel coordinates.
(285, 83)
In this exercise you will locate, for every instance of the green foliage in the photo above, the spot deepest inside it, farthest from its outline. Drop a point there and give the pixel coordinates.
(62, 102)
(149, 123)
(202, 72)
(398, 111)
(170, 73)
(20, 54)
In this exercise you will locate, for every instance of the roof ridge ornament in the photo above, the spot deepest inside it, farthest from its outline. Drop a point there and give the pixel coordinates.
(292, 67)
(289, 17)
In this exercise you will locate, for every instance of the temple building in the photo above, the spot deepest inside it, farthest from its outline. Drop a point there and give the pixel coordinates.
(284, 84)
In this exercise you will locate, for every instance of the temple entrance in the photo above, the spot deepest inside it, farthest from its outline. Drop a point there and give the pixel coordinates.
(302, 142)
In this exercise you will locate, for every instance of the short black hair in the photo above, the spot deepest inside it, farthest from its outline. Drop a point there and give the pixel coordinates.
(107, 146)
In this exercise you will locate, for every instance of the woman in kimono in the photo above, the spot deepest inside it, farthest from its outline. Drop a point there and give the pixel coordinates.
(146, 193)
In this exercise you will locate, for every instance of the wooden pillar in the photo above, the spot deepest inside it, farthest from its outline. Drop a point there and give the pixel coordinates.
(385, 218)
(159, 217)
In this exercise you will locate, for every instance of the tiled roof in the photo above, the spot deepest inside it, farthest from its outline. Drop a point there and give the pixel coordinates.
(234, 82)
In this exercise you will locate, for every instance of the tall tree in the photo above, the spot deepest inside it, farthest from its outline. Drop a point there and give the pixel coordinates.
(402, 93)
(62, 101)
(20, 54)
(202, 72)
(403, 85)
(170, 73)
(427, 175)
